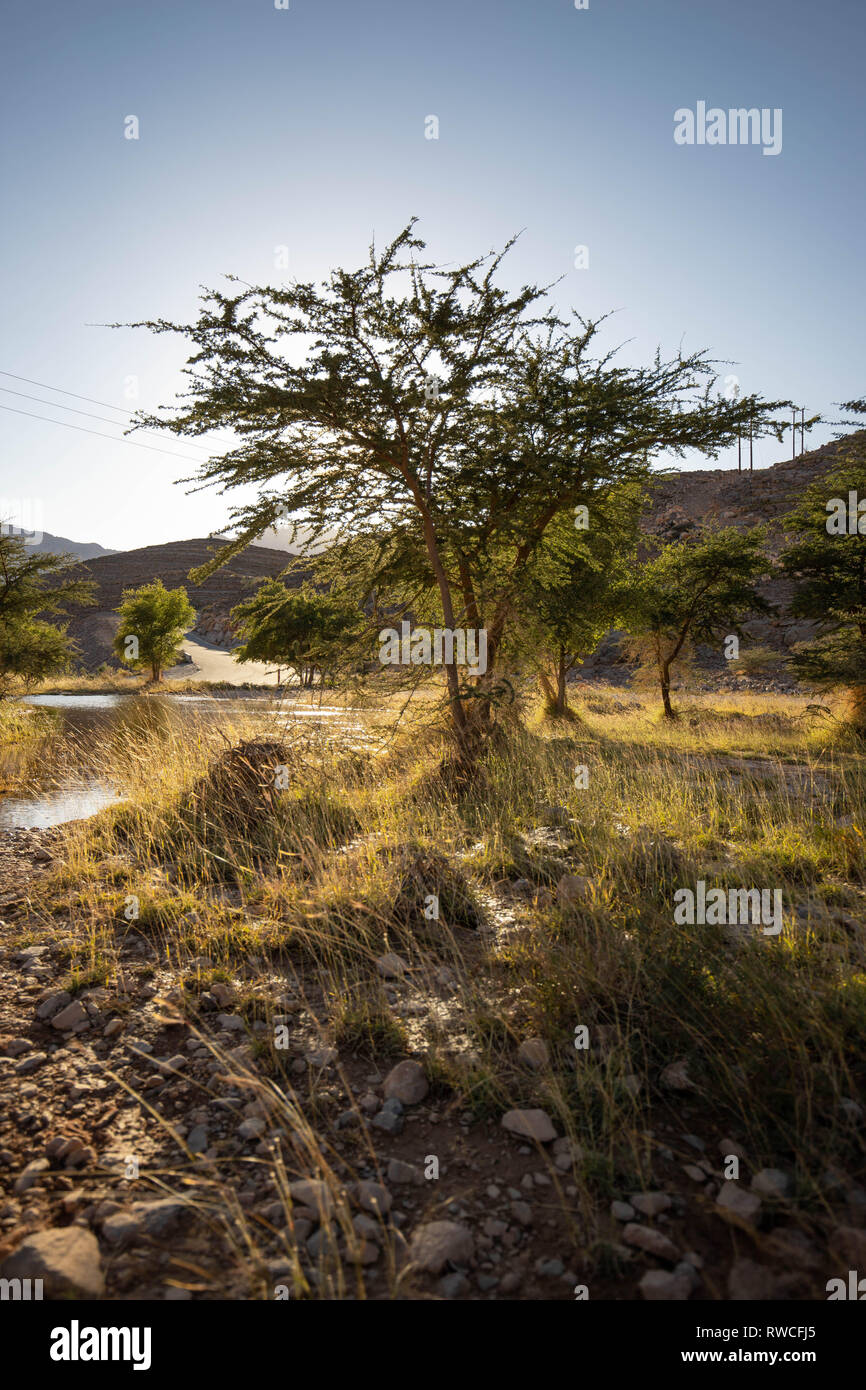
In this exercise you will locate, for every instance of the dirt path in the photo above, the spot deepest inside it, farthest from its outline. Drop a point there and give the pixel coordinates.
(212, 663)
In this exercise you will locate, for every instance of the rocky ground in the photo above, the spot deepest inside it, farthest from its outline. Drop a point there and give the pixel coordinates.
(146, 1154)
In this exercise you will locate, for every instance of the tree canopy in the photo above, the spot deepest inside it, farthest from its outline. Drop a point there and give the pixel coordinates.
(695, 591)
(305, 629)
(153, 620)
(33, 590)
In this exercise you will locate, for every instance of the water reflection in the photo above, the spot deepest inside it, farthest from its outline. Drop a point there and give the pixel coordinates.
(91, 731)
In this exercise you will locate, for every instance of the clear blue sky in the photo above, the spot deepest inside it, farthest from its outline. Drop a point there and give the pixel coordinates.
(305, 127)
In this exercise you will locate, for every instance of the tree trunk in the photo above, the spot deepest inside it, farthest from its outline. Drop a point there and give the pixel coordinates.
(665, 682)
(561, 706)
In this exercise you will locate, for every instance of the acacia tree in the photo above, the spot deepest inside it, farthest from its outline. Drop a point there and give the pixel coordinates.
(827, 563)
(694, 591)
(153, 620)
(432, 401)
(32, 593)
(303, 628)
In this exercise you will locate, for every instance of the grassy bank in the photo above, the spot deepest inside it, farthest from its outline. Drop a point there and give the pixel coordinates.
(291, 868)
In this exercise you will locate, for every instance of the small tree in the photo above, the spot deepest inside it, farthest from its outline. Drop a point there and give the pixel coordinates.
(31, 646)
(574, 591)
(827, 563)
(301, 628)
(153, 620)
(694, 591)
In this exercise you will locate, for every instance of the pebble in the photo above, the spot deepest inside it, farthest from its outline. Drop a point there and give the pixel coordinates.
(392, 966)
(31, 1063)
(407, 1083)
(659, 1285)
(733, 1197)
(771, 1182)
(534, 1053)
(65, 1258)
(53, 1003)
(70, 1017)
(31, 1174)
(651, 1203)
(653, 1241)
(372, 1196)
(439, 1243)
(529, 1124)
(622, 1211)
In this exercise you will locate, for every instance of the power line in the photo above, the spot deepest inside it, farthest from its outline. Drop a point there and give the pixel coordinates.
(82, 429)
(43, 385)
(75, 411)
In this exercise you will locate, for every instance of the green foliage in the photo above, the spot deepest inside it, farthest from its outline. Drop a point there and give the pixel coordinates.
(301, 628)
(31, 646)
(574, 587)
(694, 591)
(157, 618)
(828, 567)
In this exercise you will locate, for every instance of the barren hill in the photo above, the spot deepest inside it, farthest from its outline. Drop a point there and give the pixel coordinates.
(94, 628)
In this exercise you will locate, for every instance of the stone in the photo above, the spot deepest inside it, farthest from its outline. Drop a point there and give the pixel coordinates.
(223, 993)
(232, 1022)
(389, 1121)
(622, 1211)
(391, 966)
(572, 889)
(313, 1194)
(322, 1057)
(529, 1124)
(32, 1062)
(70, 1017)
(407, 1083)
(253, 1128)
(736, 1199)
(675, 1077)
(771, 1182)
(15, 1046)
(372, 1196)
(522, 1213)
(53, 1004)
(31, 1174)
(65, 1258)
(453, 1285)
(651, 1203)
(122, 1227)
(652, 1241)
(662, 1286)
(533, 1052)
(197, 1139)
(112, 1028)
(400, 1172)
(440, 1243)
(158, 1218)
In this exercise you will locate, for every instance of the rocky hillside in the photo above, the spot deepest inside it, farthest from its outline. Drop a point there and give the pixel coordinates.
(685, 502)
(94, 628)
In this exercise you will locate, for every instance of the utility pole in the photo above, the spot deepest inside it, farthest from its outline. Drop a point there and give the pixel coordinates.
(751, 429)
(793, 433)
(739, 453)
(802, 429)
